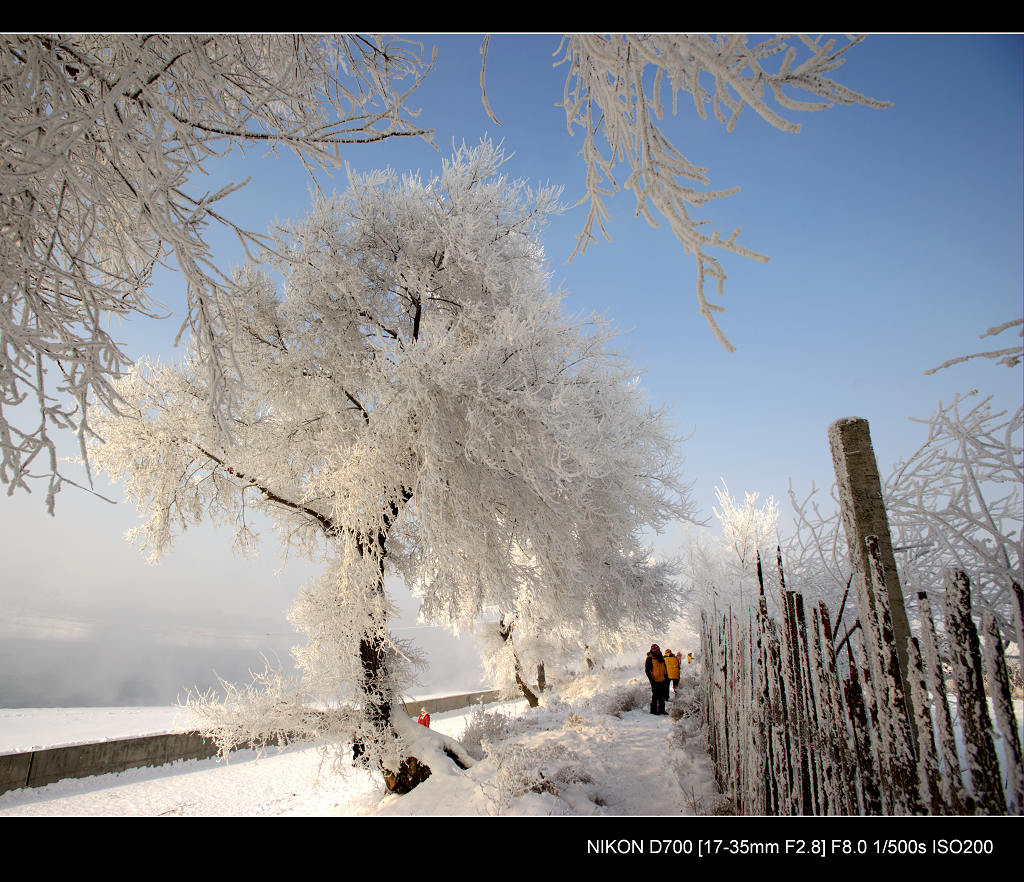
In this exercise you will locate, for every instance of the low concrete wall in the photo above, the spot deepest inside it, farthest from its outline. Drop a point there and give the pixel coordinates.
(40, 767)
(451, 702)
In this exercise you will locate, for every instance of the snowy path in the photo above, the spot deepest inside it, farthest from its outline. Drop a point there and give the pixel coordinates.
(637, 768)
(631, 762)
(597, 763)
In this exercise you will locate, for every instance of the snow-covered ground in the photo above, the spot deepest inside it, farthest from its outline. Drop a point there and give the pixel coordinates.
(592, 749)
(614, 779)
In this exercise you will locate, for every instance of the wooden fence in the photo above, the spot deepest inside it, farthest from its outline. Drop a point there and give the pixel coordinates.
(794, 728)
(790, 735)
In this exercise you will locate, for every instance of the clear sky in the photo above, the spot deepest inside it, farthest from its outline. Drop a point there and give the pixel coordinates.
(894, 237)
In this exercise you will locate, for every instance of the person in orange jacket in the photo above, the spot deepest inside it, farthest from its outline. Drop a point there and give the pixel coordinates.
(657, 674)
(672, 667)
(424, 718)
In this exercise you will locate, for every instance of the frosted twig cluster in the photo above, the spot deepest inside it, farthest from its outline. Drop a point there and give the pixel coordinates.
(957, 500)
(1011, 356)
(102, 137)
(615, 90)
(816, 551)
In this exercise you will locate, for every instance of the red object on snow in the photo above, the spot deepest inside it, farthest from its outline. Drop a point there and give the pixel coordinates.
(424, 719)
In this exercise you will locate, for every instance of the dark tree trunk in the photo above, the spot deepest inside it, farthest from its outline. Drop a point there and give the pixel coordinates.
(411, 773)
(376, 687)
(506, 635)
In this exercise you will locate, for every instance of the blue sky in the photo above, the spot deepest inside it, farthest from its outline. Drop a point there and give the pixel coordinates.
(894, 239)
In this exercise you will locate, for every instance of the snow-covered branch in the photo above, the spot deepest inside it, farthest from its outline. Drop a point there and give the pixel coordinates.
(103, 135)
(614, 90)
(1010, 356)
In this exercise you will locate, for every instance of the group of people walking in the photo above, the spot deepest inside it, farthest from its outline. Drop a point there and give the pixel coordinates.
(663, 673)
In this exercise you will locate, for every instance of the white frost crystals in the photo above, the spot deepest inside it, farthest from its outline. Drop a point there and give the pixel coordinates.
(415, 404)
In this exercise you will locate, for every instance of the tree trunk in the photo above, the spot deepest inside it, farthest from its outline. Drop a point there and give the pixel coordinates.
(376, 686)
(506, 635)
(411, 773)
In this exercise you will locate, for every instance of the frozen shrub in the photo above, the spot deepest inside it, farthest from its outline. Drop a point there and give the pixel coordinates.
(551, 769)
(686, 700)
(631, 696)
(483, 729)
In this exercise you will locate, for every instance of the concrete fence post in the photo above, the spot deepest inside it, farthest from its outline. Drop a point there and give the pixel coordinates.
(863, 514)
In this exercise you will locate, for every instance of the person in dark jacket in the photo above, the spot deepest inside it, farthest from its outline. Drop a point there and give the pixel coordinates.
(657, 674)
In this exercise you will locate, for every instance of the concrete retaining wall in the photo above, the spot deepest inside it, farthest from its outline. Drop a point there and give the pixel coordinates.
(451, 702)
(40, 767)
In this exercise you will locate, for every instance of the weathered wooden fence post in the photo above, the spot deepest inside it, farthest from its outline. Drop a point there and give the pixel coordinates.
(965, 655)
(999, 692)
(863, 515)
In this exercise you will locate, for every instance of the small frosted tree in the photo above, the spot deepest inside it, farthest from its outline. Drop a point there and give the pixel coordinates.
(514, 645)
(721, 570)
(414, 403)
(103, 136)
(746, 531)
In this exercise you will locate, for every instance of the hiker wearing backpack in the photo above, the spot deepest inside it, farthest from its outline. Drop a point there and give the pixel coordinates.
(672, 668)
(657, 674)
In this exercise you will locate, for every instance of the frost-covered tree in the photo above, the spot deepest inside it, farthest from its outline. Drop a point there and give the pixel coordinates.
(746, 530)
(514, 645)
(617, 89)
(703, 572)
(103, 139)
(414, 403)
(722, 569)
